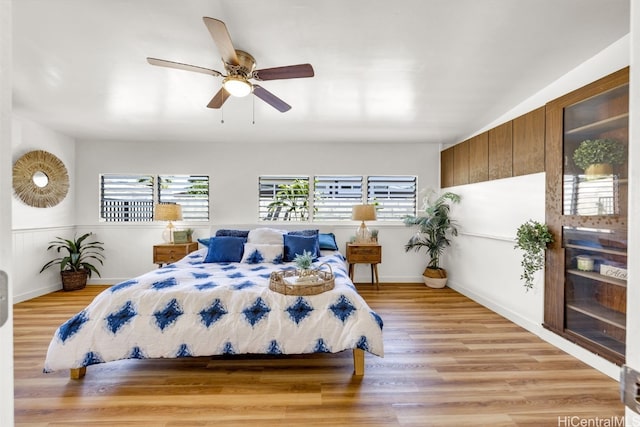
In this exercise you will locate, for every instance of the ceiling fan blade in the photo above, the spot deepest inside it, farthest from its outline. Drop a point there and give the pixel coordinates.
(219, 98)
(287, 72)
(180, 66)
(271, 99)
(222, 39)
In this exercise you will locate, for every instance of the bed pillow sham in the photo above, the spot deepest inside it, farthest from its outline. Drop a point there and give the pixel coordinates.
(309, 233)
(256, 253)
(327, 241)
(297, 245)
(266, 236)
(225, 249)
(232, 233)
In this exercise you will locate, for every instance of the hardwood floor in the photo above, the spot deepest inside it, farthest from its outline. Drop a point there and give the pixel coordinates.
(448, 362)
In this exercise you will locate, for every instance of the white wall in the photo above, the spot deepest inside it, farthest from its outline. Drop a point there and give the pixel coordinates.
(27, 136)
(483, 263)
(234, 168)
(33, 227)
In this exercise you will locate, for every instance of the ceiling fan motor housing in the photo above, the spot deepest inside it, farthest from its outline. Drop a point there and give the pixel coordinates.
(244, 68)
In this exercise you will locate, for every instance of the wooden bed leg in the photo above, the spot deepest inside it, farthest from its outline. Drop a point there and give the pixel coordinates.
(77, 373)
(358, 362)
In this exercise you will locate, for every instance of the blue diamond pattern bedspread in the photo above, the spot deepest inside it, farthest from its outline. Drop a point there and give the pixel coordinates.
(192, 308)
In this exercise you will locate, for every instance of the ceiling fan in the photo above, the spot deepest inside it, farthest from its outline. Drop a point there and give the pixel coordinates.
(240, 68)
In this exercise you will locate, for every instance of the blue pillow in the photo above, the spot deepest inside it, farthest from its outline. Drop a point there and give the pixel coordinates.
(232, 233)
(309, 233)
(225, 249)
(204, 242)
(296, 245)
(328, 241)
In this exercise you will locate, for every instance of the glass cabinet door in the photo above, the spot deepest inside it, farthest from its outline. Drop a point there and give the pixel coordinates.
(586, 144)
(595, 285)
(596, 135)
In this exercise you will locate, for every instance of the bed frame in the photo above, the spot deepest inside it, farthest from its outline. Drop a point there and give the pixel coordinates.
(358, 366)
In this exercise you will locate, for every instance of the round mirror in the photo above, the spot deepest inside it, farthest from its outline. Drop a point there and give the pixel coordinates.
(40, 179)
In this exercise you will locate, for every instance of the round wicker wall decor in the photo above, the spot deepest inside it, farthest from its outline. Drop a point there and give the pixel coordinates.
(40, 179)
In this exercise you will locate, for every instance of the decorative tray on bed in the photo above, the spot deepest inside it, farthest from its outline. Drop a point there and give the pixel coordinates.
(302, 282)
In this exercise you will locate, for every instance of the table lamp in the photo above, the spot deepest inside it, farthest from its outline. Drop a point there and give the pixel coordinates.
(168, 212)
(363, 213)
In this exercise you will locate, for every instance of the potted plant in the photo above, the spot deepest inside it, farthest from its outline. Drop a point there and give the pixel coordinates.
(303, 262)
(598, 156)
(77, 262)
(434, 229)
(532, 237)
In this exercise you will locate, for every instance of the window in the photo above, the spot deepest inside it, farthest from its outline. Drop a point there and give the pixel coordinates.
(334, 197)
(130, 197)
(189, 191)
(289, 198)
(284, 198)
(126, 197)
(395, 196)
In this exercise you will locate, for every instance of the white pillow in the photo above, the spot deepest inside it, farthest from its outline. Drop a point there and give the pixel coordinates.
(266, 236)
(259, 253)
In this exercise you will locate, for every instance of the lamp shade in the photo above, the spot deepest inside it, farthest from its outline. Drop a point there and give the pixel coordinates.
(167, 212)
(363, 213)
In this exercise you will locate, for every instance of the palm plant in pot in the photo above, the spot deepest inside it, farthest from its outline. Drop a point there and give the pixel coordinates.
(435, 228)
(77, 260)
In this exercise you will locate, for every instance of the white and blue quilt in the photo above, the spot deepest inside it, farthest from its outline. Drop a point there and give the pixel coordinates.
(192, 308)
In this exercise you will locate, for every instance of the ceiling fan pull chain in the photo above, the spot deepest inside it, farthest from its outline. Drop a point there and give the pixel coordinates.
(222, 115)
(253, 110)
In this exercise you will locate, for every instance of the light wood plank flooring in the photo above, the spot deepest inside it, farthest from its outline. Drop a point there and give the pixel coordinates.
(448, 362)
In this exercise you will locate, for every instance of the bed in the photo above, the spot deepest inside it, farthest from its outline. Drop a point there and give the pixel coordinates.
(217, 301)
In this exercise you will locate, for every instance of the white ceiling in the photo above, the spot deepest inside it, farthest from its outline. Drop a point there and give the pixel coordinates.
(405, 70)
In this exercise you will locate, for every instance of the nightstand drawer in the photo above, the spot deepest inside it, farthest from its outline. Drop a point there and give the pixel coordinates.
(164, 254)
(364, 253)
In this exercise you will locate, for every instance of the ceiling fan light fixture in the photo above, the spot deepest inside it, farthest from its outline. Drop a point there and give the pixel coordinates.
(237, 86)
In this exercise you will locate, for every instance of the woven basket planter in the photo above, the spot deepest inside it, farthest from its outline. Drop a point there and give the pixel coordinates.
(435, 277)
(73, 280)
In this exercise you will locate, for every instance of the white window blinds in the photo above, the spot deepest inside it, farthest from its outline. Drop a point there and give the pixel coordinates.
(283, 198)
(189, 191)
(131, 197)
(335, 196)
(126, 197)
(394, 196)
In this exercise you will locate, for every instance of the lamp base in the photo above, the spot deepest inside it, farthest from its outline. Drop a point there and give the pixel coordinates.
(363, 235)
(167, 233)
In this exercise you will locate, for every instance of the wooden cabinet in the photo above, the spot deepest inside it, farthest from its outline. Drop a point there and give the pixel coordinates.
(585, 283)
(528, 143)
(479, 158)
(446, 168)
(501, 152)
(461, 163)
(514, 148)
(364, 254)
(172, 252)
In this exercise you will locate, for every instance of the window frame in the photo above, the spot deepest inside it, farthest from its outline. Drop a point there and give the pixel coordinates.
(152, 194)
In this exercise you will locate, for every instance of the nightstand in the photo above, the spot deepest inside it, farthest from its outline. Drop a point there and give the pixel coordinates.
(364, 254)
(172, 252)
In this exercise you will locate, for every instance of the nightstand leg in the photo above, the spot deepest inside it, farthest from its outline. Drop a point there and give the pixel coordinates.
(351, 272)
(374, 268)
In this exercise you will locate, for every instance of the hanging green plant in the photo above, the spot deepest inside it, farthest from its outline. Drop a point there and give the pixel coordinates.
(532, 237)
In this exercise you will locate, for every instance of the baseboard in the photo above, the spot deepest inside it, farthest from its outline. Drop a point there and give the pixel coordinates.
(36, 293)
